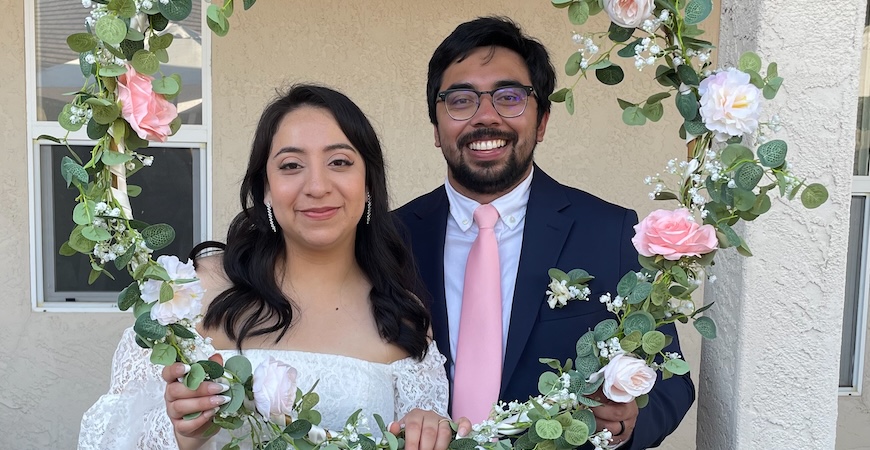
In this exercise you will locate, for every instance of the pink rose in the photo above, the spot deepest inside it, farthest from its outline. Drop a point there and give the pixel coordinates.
(625, 378)
(629, 13)
(274, 390)
(673, 234)
(147, 112)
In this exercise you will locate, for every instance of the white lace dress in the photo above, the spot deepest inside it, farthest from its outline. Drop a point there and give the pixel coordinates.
(132, 415)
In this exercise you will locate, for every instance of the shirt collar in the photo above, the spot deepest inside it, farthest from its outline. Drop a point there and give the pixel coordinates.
(511, 207)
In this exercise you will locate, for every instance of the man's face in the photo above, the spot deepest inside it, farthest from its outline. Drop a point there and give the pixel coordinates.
(488, 155)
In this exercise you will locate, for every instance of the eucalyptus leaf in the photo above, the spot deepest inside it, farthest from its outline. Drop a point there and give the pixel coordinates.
(578, 13)
(110, 29)
(634, 116)
(67, 122)
(610, 75)
(569, 102)
(96, 234)
(559, 96)
(749, 61)
(677, 366)
(240, 367)
(640, 321)
(112, 158)
(653, 111)
(163, 354)
(585, 345)
(572, 67)
(653, 342)
(82, 213)
(629, 50)
(687, 105)
(605, 329)
(81, 42)
(688, 75)
(772, 153)
(175, 10)
(626, 284)
(619, 34)
(547, 382)
(66, 250)
(145, 62)
(814, 196)
(148, 328)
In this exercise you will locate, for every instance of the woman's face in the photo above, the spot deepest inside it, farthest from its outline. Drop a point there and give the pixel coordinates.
(315, 180)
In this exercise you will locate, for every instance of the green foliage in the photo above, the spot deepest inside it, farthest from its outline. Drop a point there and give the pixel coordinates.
(814, 196)
(705, 326)
(240, 367)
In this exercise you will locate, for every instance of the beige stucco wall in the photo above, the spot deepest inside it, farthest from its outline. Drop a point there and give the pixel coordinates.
(54, 365)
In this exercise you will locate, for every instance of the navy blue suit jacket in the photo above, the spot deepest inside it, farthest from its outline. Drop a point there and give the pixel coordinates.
(564, 228)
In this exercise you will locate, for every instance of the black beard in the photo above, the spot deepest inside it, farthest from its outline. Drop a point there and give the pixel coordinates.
(489, 180)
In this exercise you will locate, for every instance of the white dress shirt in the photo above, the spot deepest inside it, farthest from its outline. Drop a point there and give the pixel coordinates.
(461, 233)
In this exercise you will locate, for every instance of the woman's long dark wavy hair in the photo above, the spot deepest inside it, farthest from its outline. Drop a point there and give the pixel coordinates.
(255, 305)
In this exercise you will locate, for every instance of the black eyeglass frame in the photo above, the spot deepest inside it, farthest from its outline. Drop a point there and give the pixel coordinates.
(442, 96)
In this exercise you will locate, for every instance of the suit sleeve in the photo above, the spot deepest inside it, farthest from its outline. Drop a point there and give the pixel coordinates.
(670, 399)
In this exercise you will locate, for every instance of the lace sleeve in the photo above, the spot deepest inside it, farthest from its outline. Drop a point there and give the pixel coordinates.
(132, 415)
(421, 384)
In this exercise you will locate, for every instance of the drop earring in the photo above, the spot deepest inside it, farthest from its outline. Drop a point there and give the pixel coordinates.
(271, 218)
(368, 208)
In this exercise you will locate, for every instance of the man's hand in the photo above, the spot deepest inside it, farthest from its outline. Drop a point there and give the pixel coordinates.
(619, 418)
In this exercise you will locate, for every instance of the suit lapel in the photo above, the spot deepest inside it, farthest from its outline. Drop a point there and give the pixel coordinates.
(429, 241)
(544, 235)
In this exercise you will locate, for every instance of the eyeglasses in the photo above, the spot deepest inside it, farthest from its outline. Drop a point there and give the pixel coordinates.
(508, 101)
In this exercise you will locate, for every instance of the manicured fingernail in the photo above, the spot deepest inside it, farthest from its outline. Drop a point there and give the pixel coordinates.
(217, 388)
(220, 399)
(390, 425)
(186, 369)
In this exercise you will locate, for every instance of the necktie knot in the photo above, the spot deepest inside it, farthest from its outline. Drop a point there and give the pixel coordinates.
(485, 216)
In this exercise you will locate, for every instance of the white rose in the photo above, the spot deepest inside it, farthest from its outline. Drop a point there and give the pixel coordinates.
(274, 390)
(625, 378)
(176, 269)
(186, 304)
(629, 13)
(730, 104)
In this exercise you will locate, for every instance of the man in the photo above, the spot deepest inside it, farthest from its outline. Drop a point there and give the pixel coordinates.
(487, 92)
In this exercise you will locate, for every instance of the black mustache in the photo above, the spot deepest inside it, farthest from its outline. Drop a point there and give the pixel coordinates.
(485, 134)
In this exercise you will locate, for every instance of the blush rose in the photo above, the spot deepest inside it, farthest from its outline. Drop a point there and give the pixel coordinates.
(147, 112)
(629, 13)
(625, 378)
(673, 234)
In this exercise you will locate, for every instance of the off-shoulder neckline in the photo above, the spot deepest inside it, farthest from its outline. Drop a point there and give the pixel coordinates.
(432, 347)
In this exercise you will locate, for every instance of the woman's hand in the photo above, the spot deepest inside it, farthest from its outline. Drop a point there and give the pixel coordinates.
(181, 401)
(426, 430)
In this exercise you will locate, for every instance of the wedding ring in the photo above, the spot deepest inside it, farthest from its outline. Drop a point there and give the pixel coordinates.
(621, 428)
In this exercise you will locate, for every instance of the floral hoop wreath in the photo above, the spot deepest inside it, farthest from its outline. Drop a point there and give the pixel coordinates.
(730, 173)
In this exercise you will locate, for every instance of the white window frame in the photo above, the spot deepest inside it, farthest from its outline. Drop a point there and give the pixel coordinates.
(861, 188)
(188, 136)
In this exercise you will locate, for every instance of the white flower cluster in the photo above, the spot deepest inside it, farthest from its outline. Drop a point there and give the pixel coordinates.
(613, 304)
(653, 51)
(560, 293)
(677, 306)
(196, 349)
(587, 48)
(80, 115)
(601, 440)
(352, 431)
(704, 57)
(609, 348)
(651, 25)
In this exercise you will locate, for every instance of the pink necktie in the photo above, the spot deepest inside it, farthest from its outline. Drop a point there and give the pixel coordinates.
(477, 377)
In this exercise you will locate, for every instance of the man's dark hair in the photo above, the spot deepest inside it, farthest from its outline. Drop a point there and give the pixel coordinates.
(492, 32)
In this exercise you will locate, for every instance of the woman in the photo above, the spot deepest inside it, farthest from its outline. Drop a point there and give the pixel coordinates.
(313, 274)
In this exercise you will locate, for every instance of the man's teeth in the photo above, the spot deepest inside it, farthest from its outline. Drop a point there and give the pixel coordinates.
(487, 145)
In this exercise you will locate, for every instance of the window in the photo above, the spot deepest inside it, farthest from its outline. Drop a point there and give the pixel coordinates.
(174, 190)
(855, 322)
